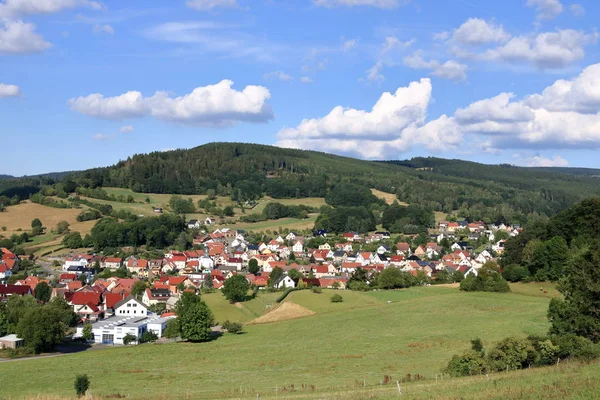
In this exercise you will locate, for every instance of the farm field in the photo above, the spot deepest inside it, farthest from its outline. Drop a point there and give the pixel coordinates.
(413, 331)
(276, 224)
(388, 197)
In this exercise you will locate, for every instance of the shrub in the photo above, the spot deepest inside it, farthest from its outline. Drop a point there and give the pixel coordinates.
(515, 273)
(511, 353)
(232, 327)
(148, 337)
(82, 384)
(336, 298)
(580, 348)
(471, 362)
(317, 289)
(129, 338)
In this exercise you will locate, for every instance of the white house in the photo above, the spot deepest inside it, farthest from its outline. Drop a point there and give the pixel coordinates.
(194, 224)
(210, 221)
(291, 236)
(5, 273)
(112, 330)
(129, 307)
(285, 282)
(298, 247)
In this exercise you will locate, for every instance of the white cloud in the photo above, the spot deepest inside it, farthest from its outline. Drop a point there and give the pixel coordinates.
(441, 36)
(306, 79)
(394, 124)
(102, 136)
(476, 31)
(212, 105)
(349, 44)
(577, 10)
(19, 8)
(20, 37)
(393, 43)
(540, 161)
(546, 9)
(104, 29)
(565, 114)
(374, 73)
(278, 75)
(451, 69)
(581, 94)
(9, 90)
(545, 51)
(353, 3)
(205, 5)
(126, 129)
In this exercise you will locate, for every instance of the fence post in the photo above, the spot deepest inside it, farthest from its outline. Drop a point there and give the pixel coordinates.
(399, 388)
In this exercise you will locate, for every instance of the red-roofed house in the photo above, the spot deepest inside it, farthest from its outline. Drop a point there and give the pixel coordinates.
(87, 304)
(112, 262)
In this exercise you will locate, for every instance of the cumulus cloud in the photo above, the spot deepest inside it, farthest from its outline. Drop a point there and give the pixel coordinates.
(394, 124)
(20, 8)
(545, 51)
(353, 3)
(126, 129)
(306, 79)
(546, 9)
(9, 90)
(451, 69)
(107, 29)
(278, 75)
(540, 161)
(565, 114)
(103, 136)
(393, 43)
(476, 31)
(212, 105)
(441, 36)
(205, 5)
(20, 37)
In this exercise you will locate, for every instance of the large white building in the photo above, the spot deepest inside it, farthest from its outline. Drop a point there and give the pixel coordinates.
(131, 317)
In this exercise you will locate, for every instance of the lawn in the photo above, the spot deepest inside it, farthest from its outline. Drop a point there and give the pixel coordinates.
(417, 333)
(241, 312)
(276, 224)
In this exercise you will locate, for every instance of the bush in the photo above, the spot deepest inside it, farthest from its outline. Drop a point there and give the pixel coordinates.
(317, 289)
(471, 362)
(336, 298)
(129, 338)
(511, 353)
(515, 273)
(285, 294)
(148, 337)
(491, 283)
(232, 327)
(577, 347)
(82, 384)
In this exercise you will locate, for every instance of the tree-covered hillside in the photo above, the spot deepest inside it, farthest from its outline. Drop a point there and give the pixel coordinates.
(250, 171)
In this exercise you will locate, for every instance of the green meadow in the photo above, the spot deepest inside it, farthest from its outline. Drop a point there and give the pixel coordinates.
(343, 347)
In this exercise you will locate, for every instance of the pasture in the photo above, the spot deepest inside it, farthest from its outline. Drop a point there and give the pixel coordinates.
(337, 350)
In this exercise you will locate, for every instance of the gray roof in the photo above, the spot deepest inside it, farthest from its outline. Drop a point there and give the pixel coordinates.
(126, 299)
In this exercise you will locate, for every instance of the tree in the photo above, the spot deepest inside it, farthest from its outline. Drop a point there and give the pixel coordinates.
(62, 227)
(129, 338)
(138, 288)
(73, 240)
(36, 223)
(185, 303)
(43, 291)
(393, 278)
(228, 211)
(274, 276)
(148, 337)
(41, 328)
(253, 267)
(87, 332)
(82, 384)
(196, 323)
(173, 329)
(578, 312)
(235, 289)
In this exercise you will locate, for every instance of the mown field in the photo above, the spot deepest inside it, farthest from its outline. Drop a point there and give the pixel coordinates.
(338, 350)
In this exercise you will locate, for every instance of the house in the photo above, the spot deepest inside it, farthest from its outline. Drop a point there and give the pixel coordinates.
(154, 296)
(403, 249)
(11, 342)
(210, 221)
(130, 306)
(194, 224)
(88, 305)
(332, 283)
(14, 290)
(284, 282)
(112, 263)
(291, 236)
(350, 267)
(325, 246)
(5, 272)
(298, 247)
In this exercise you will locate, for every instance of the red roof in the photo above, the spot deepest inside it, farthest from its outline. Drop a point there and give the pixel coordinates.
(14, 289)
(83, 298)
(351, 265)
(74, 285)
(67, 277)
(113, 298)
(113, 260)
(179, 258)
(176, 280)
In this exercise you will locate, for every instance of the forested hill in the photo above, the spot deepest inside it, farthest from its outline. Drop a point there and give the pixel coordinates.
(249, 171)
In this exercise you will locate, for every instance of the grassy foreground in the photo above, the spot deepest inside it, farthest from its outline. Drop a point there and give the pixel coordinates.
(342, 347)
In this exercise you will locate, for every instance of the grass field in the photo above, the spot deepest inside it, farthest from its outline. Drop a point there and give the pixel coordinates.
(409, 331)
(388, 197)
(240, 312)
(276, 224)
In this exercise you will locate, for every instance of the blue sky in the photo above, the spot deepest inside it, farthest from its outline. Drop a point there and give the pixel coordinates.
(86, 83)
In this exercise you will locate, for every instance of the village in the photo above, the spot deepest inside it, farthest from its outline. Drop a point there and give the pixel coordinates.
(115, 309)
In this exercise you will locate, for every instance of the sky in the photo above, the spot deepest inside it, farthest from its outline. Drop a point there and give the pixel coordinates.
(86, 83)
